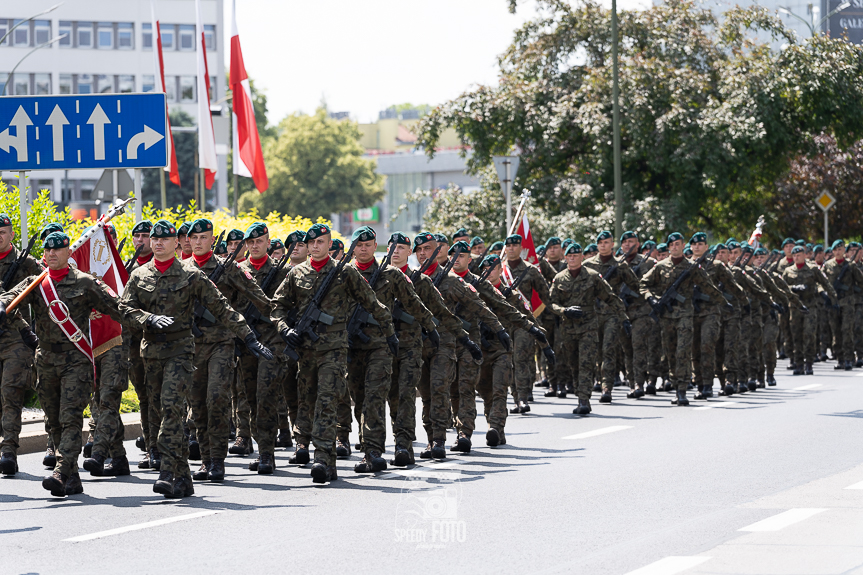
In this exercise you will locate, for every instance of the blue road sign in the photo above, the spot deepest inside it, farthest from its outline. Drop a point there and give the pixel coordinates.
(83, 131)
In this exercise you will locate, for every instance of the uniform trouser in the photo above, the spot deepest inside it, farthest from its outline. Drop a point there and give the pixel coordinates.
(771, 342)
(549, 324)
(438, 371)
(636, 350)
(370, 376)
(402, 397)
(16, 361)
(785, 334)
(320, 384)
(803, 334)
(858, 331)
(467, 375)
(150, 430)
(210, 397)
(65, 382)
(288, 401)
(842, 323)
(755, 343)
(495, 377)
(677, 343)
(609, 337)
(169, 382)
(580, 347)
(242, 409)
(112, 371)
(261, 380)
(654, 350)
(705, 333)
(825, 337)
(524, 358)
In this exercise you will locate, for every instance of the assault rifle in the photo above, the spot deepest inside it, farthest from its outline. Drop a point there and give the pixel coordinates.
(671, 295)
(9, 277)
(478, 261)
(128, 265)
(122, 244)
(361, 318)
(200, 311)
(252, 313)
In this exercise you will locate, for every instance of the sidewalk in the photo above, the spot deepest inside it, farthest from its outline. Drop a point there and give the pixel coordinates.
(34, 439)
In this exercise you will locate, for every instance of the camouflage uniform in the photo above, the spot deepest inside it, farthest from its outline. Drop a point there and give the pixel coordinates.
(524, 349)
(770, 321)
(150, 417)
(803, 325)
(551, 324)
(640, 361)
(112, 371)
(707, 323)
(169, 355)
(843, 321)
(322, 364)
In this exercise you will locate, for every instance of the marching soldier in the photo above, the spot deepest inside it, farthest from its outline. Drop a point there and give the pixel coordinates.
(277, 249)
(847, 280)
(496, 248)
(185, 245)
(641, 348)
(550, 265)
(301, 250)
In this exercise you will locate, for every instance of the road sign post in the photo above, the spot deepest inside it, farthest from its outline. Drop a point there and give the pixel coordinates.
(507, 168)
(24, 207)
(825, 201)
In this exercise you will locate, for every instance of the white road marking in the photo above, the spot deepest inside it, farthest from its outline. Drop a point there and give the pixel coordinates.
(433, 470)
(139, 526)
(784, 519)
(714, 404)
(600, 431)
(856, 486)
(860, 374)
(805, 387)
(670, 565)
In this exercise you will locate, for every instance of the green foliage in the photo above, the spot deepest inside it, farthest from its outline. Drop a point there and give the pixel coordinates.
(128, 403)
(315, 167)
(41, 212)
(186, 145)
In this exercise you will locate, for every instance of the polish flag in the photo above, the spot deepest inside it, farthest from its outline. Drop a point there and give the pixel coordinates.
(248, 157)
(171, 168)
(98, 257)
(206, 136)
(528, 254)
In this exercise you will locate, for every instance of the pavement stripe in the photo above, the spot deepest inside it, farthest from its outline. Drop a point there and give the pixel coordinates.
(715, 404)
(784, 519)
(139, 526)
(670, 565)
(856, 486)
(805, 387)
(600, 431)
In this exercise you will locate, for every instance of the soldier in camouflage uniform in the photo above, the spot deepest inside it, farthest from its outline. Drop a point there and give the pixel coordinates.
(846, 289)
(370, 371)
(16, 352)
(677, 324)
(858, 324)
(550, 265)
(108, 457)
(277, 249)
(165, 287)
(288, 419)
(784, 321)
(496, 249)
(641, 361)
(574, 293)
(786, 299)
(65, 372)
(323, 363)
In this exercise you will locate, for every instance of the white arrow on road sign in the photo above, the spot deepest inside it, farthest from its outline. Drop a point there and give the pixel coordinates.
(98, 118)
(19, 141)
(57, 120)
(148, 137)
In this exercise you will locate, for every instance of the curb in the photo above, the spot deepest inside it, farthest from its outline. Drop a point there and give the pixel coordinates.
(34, 439)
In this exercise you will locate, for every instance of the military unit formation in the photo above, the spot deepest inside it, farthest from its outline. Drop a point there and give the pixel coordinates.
(289, 343)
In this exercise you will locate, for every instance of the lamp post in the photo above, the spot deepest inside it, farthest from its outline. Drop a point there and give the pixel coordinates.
(811, 24)
(615, 104)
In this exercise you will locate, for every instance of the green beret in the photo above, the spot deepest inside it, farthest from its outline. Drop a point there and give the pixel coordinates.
(837, 244)
(142, 227)
(423, 238)
(787, 241)
(490, 260)
(296, 237)
(221, 249)
(775, 252)
(662, 248)
(460, 245)
(818, 248)
(732, 244)
(552, 241)
(648, 245)
(565, 243)
(163, 229)
(729, 241)
(603, 235)
(234, 235)
(5, 222)
(591, 248)
(317, 231)
(476, 241)
(747, 249)
(363, 234)
(460, 232)
(200, 226)
(514, 239)
(55, 240)
(687, 250)
(399, 239)
(698, 237)
(808, 246)
(628, 235)
(256, 230)
(276, 244)
(854, 245)
(573, 248)
(496, 246)
(761, 252)
(49, 228)
(719, 246)
(800, 243)
(798, 250)
(337, 245)
(184, 229)
(441, 238)
(619, 252)
(673, 237)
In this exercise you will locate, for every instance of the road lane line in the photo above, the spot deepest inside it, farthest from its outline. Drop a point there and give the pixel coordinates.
(805, 387)
(784, 519)
(856, 486)
(670, 565)
(139, 526)
(600, 431)
(715, 404)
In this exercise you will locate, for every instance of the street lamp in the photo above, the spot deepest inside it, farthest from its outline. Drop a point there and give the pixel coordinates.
(811, 24)
(48, 43)
(615, 115)
(51, 9)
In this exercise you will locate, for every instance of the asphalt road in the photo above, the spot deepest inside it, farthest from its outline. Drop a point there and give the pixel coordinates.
(757, 483)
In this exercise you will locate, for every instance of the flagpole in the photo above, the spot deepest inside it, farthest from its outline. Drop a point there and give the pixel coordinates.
(515, 221)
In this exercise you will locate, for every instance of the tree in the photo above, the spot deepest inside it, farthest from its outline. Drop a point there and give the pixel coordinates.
(710, 117)
(186, 144)
(316, 167)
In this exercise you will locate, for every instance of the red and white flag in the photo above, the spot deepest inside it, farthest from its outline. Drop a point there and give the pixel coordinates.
(159, 67)
(248, 157)
(206, 136)
(528, 254)
(98, 257)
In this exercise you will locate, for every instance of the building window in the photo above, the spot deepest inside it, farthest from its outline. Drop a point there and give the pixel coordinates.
(213, 91)
(125, 33)
(85, 35)
(167, 33)
(187, 37)
(65, 84)
(210, 37)
(85, 84)
(4, 76)
(42, 31)
(171, 88)
(42, 83)
(104, 84)
(22, 84)
(4, 27)
(148, 83)
(187, 89)
(147, 36)
(21, 35)
(125, 84)
(106, 36)
(65, 27)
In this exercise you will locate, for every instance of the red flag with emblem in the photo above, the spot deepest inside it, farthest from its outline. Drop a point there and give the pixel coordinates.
(528, 254)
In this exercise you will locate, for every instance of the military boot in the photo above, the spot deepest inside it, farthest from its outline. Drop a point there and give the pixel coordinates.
(343, 448)
(50, 459)
(283, 439)
(371, 463)
(561, 391)
(267, 464)
(606, 396)
(73, 485)
(637, 392)
(117, 466)
(145, 462)
(681, 399)
(666, 386)
(300, 456)
(140, 444)
(95, 465)
(597, 387)
(56, 484)
(849, 365)
(543, 383)
(181, 487)
(859, 363)
(462, 443)
(792, 366)
(203, 471)
(516, 409)
(88, 447)
(438, 450)
(552, 392)
(752, 384)
(502, 437)
(242, 446)
(740, 388)
(322, 472)
(650, 389)
(492, 437)
(402, 456)
(194, 447)
(217, 470)
(427, 452)
(840, 365)
(798, 370)
(583, 407)
(771, 381)
(728, 389)
(155, 459)
(761, 383)
(164, 485)
(807, 368)
(8, 463)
